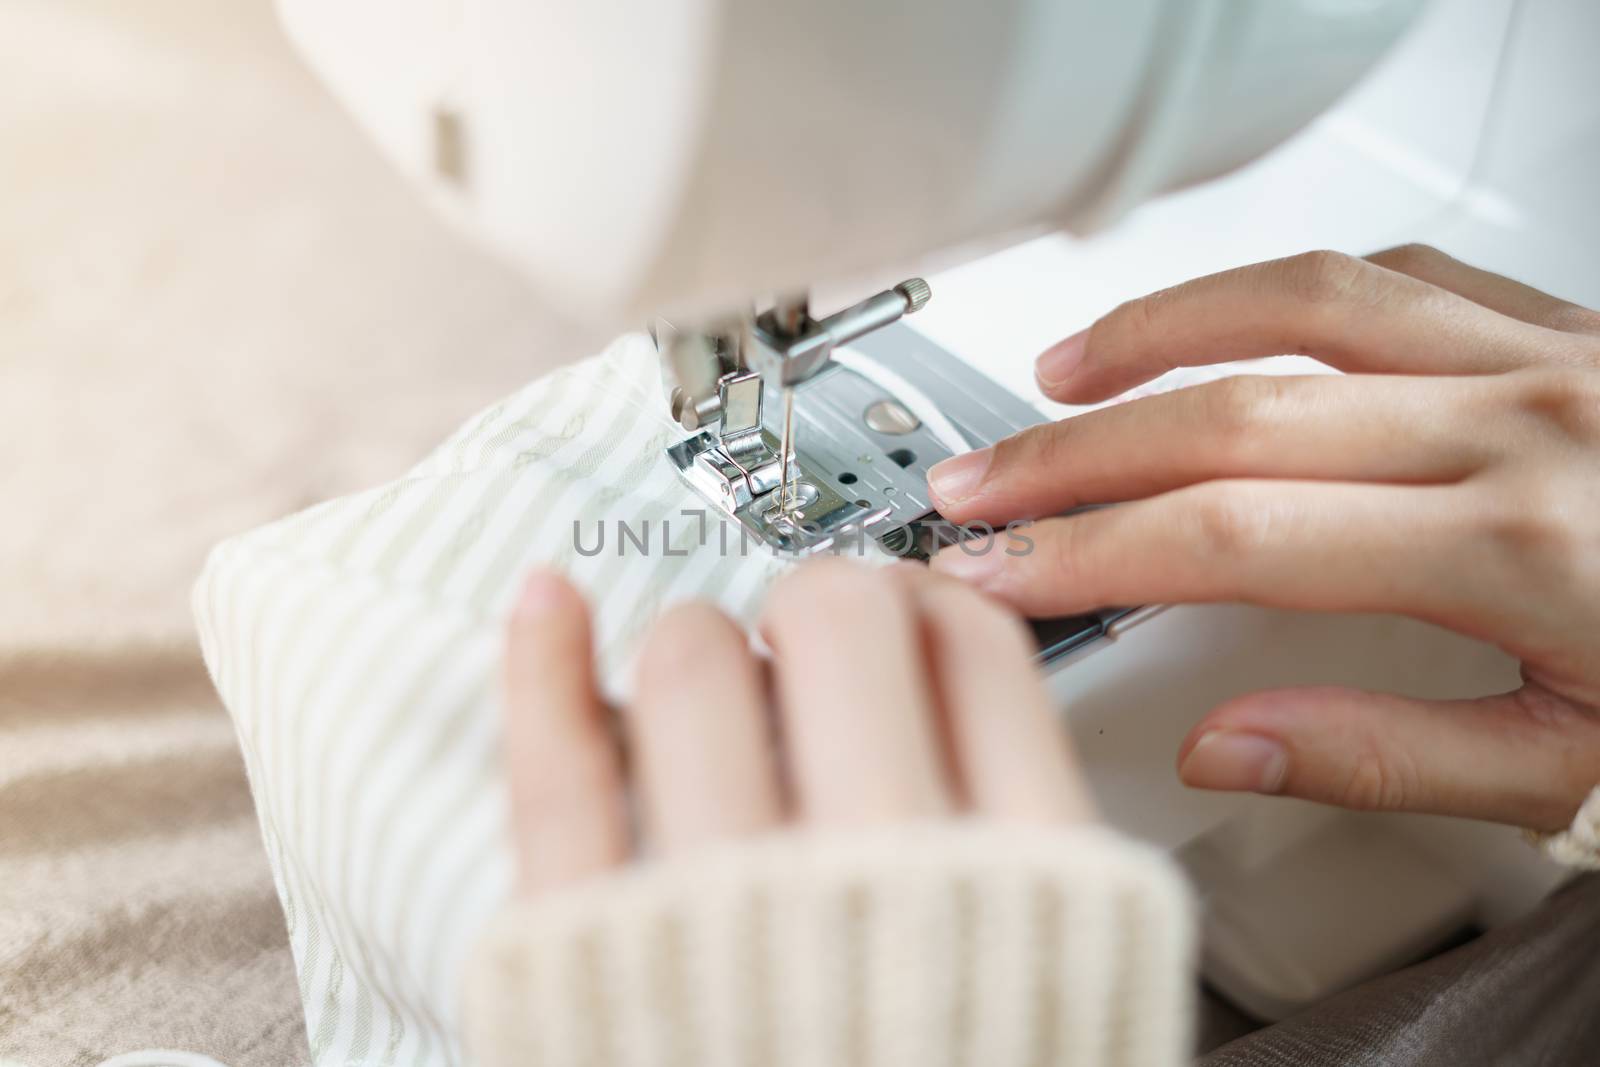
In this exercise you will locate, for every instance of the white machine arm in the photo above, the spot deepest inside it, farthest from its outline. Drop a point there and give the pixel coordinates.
(637, 157)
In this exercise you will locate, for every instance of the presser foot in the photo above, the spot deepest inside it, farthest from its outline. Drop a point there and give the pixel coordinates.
(862, 454)
(747, 488)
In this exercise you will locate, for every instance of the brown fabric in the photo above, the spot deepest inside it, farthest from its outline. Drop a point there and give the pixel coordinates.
(217, 305)
(1525, 994)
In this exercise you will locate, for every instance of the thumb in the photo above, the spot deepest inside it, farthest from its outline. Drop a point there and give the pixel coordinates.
(1527, 758)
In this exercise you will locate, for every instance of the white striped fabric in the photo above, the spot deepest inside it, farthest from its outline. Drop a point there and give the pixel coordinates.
(355, 645)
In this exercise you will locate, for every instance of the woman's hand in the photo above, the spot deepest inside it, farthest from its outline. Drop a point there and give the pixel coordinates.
(1462, 488)
(897, 696)
(1006, 926)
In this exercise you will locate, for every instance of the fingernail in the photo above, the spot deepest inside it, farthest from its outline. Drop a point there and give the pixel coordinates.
(959, 476)
(543, 593)
(1060, 360)
(1231, 761)
(968, 563)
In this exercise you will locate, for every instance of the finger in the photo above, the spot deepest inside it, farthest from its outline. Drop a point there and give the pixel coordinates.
(1348, 313)
(1493, 291)
(699, 738)
(1359, 428)
(1526, 758)
(567, 803)
(1011, 756)
(854, 696)
(1302, 545)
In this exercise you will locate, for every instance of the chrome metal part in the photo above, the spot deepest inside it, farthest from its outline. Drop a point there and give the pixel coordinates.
(815, 519)
(694, 416)
(694, 365)
(786, 452)
(791, 314)
(890, 417)
(917, 293)
(811, 520)
(739, 400)
(790, 318)
(788, 346)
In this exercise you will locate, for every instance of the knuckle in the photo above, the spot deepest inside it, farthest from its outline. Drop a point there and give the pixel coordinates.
(1046, 571)
(1230, 523)
(1064, 544)
(1553, 715)
(1570, 732)
(1241, 410)
(1322, 277)
(1379, 783)
(1045, 447)
(1132, 321)
(1530, 528)
(1126, 320)
(1145, 313)
(1567, 401)
(1579, 320)
(1411, 258)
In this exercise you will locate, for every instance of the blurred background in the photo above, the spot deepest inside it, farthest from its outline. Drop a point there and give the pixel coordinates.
(217, 305)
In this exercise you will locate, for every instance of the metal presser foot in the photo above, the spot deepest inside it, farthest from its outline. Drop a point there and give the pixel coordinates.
(743, 456)
(804, 453)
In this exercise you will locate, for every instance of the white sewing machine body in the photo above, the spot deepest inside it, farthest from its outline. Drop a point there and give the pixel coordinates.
(1455, 141)
(1480, 134)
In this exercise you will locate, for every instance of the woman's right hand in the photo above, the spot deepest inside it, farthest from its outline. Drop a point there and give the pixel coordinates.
(1453, 475)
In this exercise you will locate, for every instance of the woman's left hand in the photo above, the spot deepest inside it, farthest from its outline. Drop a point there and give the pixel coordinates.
(899, 696)
(886, 812)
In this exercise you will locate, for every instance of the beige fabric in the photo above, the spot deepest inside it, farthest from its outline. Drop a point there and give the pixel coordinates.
(135, 908)
(216, 306)
(975, 944)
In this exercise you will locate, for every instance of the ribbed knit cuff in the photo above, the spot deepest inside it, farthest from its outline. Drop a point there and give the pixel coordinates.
(1578, 846)
(942, 944)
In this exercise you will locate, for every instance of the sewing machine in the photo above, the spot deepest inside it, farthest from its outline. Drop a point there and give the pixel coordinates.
(700, 165)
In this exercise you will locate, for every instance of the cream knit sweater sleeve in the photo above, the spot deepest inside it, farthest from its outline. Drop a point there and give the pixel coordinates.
(950, 944)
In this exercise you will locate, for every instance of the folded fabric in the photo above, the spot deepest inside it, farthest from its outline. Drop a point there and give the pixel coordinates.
(356, 646)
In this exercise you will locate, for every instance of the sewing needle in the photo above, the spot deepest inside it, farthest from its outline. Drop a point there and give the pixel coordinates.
(785, 497)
